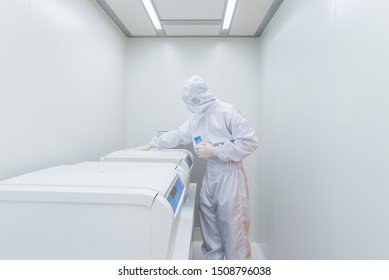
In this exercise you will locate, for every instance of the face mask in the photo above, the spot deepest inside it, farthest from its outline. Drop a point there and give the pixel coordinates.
(194, 109)
(199, 109)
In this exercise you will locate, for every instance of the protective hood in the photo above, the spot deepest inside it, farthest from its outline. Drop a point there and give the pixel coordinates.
(196, 96)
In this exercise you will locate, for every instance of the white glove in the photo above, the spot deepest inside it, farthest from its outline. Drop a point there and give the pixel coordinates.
(206, 150)
(144, 147)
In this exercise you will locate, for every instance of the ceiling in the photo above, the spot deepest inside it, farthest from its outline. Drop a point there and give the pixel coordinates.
(190, 18)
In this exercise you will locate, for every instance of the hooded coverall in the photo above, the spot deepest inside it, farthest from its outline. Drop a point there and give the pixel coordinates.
(223, 206)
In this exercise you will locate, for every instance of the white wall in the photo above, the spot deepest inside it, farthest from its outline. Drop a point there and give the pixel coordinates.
(62, 84)
(362, 134)
(157, 70)
(323, 118)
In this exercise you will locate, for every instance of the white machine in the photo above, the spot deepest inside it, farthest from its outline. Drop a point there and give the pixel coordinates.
(182, 158)
(94, 210)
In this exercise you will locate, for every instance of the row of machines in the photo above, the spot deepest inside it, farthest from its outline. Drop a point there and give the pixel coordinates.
(128, 205)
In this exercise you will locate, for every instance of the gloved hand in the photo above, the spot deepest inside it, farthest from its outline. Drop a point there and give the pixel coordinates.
(144, 147)
(206, 150)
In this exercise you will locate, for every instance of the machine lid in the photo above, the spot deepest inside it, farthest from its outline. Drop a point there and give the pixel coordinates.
(173, 154)
(179, 153)
(138, 175)
(61, 194)
(167, 155)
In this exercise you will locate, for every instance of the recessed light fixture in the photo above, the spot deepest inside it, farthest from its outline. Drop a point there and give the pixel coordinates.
(231, 4)
(152, 14)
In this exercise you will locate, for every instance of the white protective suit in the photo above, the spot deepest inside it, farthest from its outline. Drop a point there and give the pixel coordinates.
(224, 217)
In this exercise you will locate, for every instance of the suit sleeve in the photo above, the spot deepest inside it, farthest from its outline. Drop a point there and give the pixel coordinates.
(243, 143)
(174, 138)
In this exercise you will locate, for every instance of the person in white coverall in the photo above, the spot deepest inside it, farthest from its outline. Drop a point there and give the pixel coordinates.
(226, 139)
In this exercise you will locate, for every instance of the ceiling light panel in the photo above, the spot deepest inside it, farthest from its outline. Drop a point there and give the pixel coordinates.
(229, 14)
(190, 9)
(152, 14)
(248, 16)
(134, 17)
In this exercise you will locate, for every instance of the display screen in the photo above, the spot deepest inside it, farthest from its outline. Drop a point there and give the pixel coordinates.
(175, 193)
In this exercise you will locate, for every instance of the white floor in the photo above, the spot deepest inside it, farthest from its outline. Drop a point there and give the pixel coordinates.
(197, 253)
